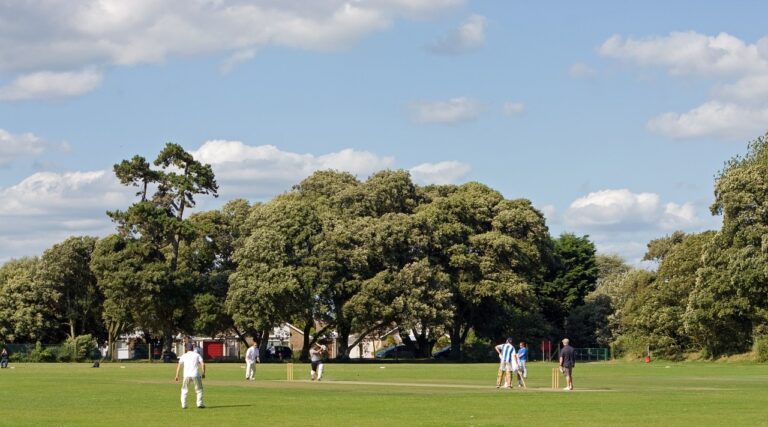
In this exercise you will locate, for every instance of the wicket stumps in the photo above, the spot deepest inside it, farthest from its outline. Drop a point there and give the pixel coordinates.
(555, 378)
(289, 371)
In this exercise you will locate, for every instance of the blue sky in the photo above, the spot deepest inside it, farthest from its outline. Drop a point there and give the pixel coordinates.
(612, 117)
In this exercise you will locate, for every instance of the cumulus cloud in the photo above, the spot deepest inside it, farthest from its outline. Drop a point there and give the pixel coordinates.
(260, 171)
(513, 108)
(749, 89)
(449, 172)
(455, 110)
(713, 119)
(46, 208)
(739, 108)
(467, 38)
(64, 35)
(687, 53)
(623, 222)
(49, 85)
(14, 146)
(624, 210)
(581, 70)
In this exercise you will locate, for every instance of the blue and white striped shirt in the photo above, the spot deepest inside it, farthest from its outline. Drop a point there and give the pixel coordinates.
(507, 352)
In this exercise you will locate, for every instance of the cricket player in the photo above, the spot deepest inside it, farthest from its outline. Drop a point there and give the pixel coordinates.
(522, 356)
(567, 362)
(509, 362)
(316, 359)
(194, 370)
(251, 358)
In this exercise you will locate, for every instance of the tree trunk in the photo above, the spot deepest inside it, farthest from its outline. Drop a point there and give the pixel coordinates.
(263, 341)
(305, 349)
(456, 342)
(343, 341)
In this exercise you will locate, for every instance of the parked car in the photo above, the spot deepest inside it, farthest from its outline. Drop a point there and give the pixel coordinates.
(279, 352)
(443, 353)
(399, 351)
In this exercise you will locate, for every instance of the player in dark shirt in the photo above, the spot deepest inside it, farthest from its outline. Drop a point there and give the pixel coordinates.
(567, 362)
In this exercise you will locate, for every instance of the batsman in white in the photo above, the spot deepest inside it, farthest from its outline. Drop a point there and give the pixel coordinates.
(316, 359)
(508, 363)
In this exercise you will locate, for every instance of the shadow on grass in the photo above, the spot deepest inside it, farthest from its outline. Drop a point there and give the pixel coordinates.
(226, 406)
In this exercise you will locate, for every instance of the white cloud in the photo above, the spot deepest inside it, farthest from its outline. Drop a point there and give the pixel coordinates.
(47, 85)
(622, 222)
(261, 171)
(513, 108)
(687, 53)
(713, 119)
(47, 207)
(748, 89)
(739, 109)
(581, 70)
(467, 38)
(448, 172)
(74, 34)
(14, 146)
(454, 110)
(624, 210)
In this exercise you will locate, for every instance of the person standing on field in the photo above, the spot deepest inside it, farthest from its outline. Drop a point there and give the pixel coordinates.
(522, 356)
(316, 359)
(567, 363)
(509, 363)
(4, 358)
(251, 358)
(194, 371)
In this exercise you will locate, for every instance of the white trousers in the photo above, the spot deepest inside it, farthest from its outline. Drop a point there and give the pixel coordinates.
(250, 369)
(198, 390)
(523, 369)
(319, 374)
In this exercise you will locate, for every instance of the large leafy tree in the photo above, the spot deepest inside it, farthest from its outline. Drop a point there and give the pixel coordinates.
(729, 301)
(493, 252)
(65, 267)
(27, 308)
(573, 277)
(154, 228)
(209, 259)
(276, 277)
(656, 313)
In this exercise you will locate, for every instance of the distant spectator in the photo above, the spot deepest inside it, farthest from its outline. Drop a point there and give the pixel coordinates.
(4, 358)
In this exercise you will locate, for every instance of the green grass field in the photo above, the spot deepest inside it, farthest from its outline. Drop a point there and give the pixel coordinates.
(140, 394)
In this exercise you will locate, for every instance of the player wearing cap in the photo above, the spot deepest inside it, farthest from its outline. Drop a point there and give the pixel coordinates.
(190, 361)
(567, 363)
(316, 359)
(509, 362)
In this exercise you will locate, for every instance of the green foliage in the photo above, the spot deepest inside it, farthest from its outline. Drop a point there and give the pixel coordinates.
(27, 307)
(65, 268)
(761, 348)
(729, 299)
(573, 276)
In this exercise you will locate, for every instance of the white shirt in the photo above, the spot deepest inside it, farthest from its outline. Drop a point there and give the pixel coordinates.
(191, 361)
(252, 354)
(315, 355)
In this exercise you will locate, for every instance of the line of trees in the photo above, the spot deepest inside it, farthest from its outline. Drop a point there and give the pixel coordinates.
(349, 258)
